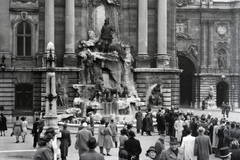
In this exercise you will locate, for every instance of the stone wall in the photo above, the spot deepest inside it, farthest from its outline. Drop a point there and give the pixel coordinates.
(170, 84)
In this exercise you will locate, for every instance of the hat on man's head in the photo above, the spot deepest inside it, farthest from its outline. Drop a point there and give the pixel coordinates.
(224, 152)
(201, 129)
(51, 131)
(173, 140)
(92, 143)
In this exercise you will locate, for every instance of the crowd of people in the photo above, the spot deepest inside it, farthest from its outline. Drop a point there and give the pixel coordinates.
(191, 137)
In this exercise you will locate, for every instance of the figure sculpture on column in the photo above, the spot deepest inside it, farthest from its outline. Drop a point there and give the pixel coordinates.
(106, 35)
(62, 97)
(155, 99)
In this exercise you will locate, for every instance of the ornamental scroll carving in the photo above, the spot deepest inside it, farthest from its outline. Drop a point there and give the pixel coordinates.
(24, 1)
(181, 3)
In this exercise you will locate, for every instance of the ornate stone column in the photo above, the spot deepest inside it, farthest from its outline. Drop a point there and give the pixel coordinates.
(203, 43)
(49, 21)
(162, 57)
(236, 22)
(210, 44)
(70, 58)
(142, 57)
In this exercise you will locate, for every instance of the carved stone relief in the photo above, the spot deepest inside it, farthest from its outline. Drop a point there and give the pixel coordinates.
(99, 10)
(182, 28)
(222, 29)
(221, 51)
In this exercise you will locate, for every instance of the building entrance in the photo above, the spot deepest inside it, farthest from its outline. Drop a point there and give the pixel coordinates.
(222, 93)
(186, 80)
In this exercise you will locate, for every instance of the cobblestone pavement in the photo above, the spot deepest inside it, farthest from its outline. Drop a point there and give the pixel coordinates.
(9, 150)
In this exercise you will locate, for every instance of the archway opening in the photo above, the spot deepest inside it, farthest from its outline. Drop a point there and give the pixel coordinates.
(222, 93)
(186, 80)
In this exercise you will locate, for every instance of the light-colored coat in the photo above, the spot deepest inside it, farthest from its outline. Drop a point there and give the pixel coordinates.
(92, 155)
(215, 137)
(188, 146)
(81, 142)
(101, 135)
(108, 142)
(168, 154)
(178, 125)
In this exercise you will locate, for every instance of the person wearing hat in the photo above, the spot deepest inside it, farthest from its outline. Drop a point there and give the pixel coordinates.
(81, 139)
(133, 147)
(225, 154)
(188, 145)
(114, 130)
(159, 145)
(151, 153)
(92, 154)
(202, 147)
(65, 142)
(172, 153)
(106, 35)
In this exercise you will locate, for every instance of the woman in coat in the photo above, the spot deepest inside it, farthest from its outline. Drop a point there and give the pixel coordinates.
(149, 123)
(101, 135)
(17, 128)
(24, 128)
(108, 142)
(3, 124)
(65, 142)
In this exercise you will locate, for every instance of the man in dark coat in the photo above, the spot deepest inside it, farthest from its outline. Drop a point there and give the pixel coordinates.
(133, 147)
(149, 122)
(160, 122)
(3, 124)
(159, 146)
(35, 132)
(202, 147)
(92, 154)
(65, 142)
(138, 117)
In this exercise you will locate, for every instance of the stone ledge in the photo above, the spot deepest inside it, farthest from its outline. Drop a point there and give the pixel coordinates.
(165, 70)
(42, 69)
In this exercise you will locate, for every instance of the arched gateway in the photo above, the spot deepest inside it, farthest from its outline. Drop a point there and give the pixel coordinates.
(186, 80)
(222, 93)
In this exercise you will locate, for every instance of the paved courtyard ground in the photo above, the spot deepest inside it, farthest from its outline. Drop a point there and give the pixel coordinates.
(9, 150)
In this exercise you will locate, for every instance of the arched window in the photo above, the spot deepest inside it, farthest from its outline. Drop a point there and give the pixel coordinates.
(24, 39)
(24, 96)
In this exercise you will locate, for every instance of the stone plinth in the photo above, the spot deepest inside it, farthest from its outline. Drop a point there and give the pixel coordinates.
(70, 60)
(210, 104)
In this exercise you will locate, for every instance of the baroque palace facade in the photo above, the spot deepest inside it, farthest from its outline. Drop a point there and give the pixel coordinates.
(186, 45)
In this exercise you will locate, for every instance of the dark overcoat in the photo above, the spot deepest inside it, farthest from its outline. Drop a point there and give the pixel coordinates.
(138, 117)
(92, 155)
(65, 142)
(3, 124)
(168, 154)
(149, 122)
(133, 147)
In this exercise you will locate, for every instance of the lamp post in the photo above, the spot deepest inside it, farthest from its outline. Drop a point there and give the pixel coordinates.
(51, 97)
